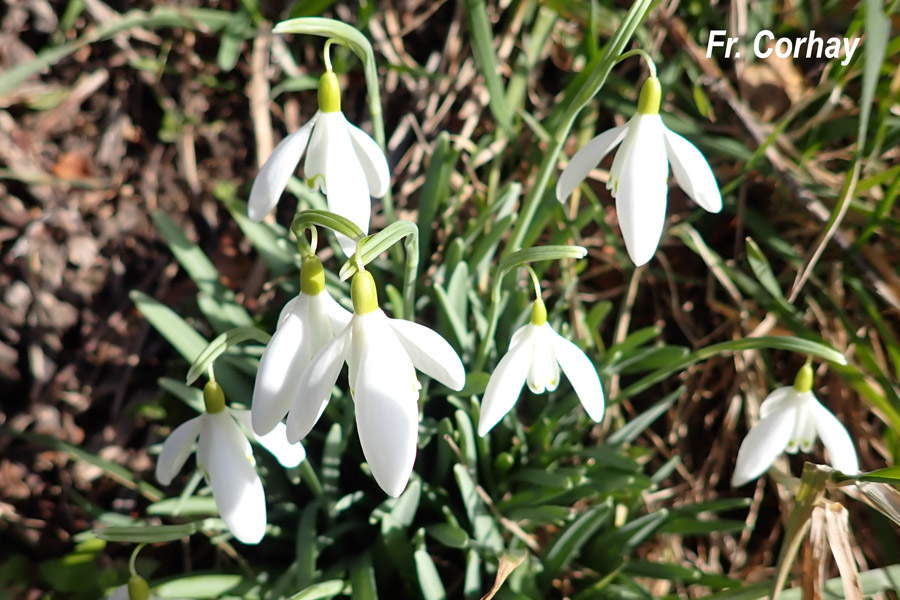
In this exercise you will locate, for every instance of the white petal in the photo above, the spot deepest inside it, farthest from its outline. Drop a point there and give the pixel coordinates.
(764, 442)
(332, 166)
(277, 381)
(506, 383)
(804, 436)
(836, 440)
(286, 310)
(372, 159)
(774, 399)
(176, 449)
(692, 172)
(520, 334)
(387, 414)
(120, 593)
(431, 353)
(588, 157)
(237, 488)
(544, 372)
(316, 384)
(582, 374)
(276, 442)
(277, 170)
(642, 188)
(339, 316)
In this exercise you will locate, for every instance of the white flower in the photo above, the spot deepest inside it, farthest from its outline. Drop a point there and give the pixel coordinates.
(226, 460)
(792, 419)
(383, 355)
(342, 161)
(638, 177)
(305, 325)
(536, 354)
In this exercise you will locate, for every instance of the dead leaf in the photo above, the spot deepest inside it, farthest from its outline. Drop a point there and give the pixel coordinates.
(506, 566)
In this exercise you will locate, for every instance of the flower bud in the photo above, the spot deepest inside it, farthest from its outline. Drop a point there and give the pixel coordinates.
(329, 93)
(213, 398)
(312, 276)
(803, 382)
(538, 312)
(363, 293)
(138, 588)
(651, 95)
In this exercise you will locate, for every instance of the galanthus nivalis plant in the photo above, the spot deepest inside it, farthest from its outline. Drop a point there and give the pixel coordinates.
(226, 459)
(305, 325)
(342, 161)
(791, 418)
(382, 355)
(536, 355)
(639, 173)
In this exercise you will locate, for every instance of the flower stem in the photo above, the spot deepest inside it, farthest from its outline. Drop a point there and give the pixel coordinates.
(651, 66)
(131, 561)
(600, 69)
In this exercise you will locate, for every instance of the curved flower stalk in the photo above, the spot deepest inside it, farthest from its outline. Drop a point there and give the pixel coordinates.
(226, 460)
(536, 355)
(639, 173)
(383, 355)
(342, 161)
(791, 418)
(306, 324)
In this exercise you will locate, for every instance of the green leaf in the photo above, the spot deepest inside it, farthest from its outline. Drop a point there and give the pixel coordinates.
(199, 586)
(429, 581)
(149, 534)
(320, 591)
(483, 49)
(568, 544)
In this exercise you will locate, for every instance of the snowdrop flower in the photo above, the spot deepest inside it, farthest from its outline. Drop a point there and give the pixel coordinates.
(536, 355)
(306, 324)
(790, 419)
(341, 160)
(383, 355)
(135, 589)
(638, 177)
(226, 460)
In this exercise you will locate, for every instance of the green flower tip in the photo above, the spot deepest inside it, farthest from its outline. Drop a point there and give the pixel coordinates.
(329, 93)
(803, 382)
(138, 588)
(363, 293)
(651, 95)
(213, 398)
(312, 276)
(538, 312)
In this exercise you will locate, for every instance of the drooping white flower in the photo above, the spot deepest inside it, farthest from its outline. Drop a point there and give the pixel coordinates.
(383, 355)
(639, 173)
(791, 418)
(342, 161)
(226, 459)
(306, 324)
(536, 355)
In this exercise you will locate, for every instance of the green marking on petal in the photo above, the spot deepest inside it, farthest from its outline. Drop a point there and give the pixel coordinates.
(312, 181)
